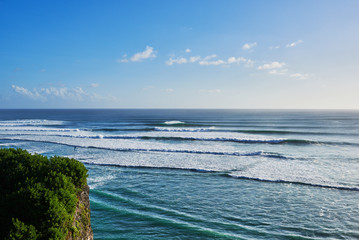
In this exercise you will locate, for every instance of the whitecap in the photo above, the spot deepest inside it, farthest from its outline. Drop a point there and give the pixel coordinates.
(166, 129)
(31, 122)
(173, 122)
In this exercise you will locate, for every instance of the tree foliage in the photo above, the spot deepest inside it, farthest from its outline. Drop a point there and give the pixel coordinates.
(38, 195)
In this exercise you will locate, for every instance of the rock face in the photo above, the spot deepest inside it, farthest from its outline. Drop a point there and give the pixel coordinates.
(81, 227)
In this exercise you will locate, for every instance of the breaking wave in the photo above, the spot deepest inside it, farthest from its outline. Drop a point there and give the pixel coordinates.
(173, 122)
(163, 129)
(30, 122)
(340, 187)
(226, 174)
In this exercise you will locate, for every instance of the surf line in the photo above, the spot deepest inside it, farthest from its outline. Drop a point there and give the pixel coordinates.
(239, 154)
(294, 182)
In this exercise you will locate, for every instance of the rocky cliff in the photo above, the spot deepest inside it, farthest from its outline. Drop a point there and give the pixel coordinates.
(81, 226)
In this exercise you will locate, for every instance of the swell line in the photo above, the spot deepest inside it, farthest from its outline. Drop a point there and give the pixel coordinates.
(165, 220)
(282, 132)
(175, 215)
(226, 174)
(293, 182)
(168, 138)
(215, 139)
(214, 129)
(234, 153)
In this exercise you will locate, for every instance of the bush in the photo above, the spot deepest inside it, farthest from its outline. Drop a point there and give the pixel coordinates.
(38, 195)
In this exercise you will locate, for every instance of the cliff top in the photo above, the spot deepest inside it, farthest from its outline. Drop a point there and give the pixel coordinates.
(39, 196)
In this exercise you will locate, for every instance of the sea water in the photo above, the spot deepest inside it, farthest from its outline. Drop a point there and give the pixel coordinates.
(206, 174)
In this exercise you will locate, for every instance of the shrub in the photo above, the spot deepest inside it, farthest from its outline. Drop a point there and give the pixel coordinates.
(38, 195)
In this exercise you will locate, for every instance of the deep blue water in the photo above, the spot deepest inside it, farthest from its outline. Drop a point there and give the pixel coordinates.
(206, 174)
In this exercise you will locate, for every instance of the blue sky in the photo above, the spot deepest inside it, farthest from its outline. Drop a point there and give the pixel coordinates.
(179, 54)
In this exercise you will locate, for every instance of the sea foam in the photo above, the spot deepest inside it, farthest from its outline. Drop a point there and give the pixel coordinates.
(173, 122)
(31, 122)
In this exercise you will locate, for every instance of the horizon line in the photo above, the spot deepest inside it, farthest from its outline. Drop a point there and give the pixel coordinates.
(159, 108)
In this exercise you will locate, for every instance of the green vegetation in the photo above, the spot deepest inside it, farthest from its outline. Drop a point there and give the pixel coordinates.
(38, 195)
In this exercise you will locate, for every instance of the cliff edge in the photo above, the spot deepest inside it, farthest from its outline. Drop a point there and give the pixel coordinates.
(43, 198)
(82, 221)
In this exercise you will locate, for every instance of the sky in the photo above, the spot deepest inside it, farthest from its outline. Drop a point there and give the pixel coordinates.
(247, 54)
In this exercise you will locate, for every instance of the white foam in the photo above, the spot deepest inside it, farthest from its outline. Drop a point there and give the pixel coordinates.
(31, 122)
(258, 168)
(36, 129)
(173, 122)
(251, 162)
(307, 172)
(210, 136)
(137, 145)
(184, 135)
(10, 144)
(166, 129)
(254, 164)
(99, 181)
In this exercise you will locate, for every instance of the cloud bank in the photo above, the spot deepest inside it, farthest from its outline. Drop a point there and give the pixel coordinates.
(209, 60)
(72, 94)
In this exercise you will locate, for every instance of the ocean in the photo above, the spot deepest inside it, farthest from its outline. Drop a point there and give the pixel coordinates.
(206, 174)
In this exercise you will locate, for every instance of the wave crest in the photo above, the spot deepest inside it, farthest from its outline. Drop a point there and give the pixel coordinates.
(173, 122)
(165, 129)
(30, 122)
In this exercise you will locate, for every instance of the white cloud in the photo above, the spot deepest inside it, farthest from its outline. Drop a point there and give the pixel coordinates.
(123, 59)
(293, 44)
(188, 50)
(299, 76)
(274, 47)
(194, 59)
(138, 57)
(231, 60)
(210, 90)
(25, 92)
(249, 63)
(96, 97)
(278, 71)
(272, 65)
(181, 60)
(209, 60)
(94, 85)
(58, 92)
(73, 94)
(209, 57)
(248, 46)
(148, 53)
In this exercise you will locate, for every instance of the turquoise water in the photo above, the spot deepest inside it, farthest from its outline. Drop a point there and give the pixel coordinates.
(141, 203)
(206, 174)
